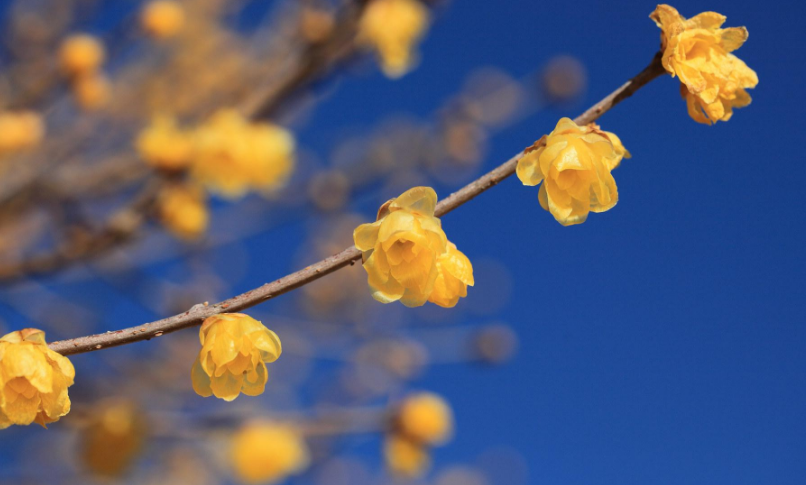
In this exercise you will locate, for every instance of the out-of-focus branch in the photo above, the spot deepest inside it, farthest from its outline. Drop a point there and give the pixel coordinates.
(196, 315)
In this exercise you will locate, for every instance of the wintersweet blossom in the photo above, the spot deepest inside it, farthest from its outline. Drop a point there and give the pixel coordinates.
(574, 164)
(91, 91)
(20, 130)
(454, 275)
(33, 380)
(393, 28)
(81, 54)
(698, 51)
(425, 418)
(183, 210)
(162, 19)
(233, 155)
(114, 436)
(265, 452)
(401, 249)
(163, 144)
(235, 350)
(405, 458)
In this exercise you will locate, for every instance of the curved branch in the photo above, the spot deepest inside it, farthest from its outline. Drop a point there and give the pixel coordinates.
(196, 315)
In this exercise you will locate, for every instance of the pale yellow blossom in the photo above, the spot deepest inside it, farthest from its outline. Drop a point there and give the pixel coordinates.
(91, 91)
(114, 436)
(574, 164)
(698, 51)
(405, 458)
(235, 350)
(33, 380)
(183, 210)
(455, 274)
(233, 155)
(20, 130)
(266, 452)
(163, 144)
(425, 418)
(81, 54)
(393, 28)
(162, 19)
(401, 249)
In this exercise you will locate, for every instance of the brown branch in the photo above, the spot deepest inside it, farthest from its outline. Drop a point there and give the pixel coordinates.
(196, 315)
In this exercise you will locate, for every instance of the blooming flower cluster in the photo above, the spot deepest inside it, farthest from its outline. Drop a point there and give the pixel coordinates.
(697, 50)
(81, 57)
(33, 380)
(422, 421)
(407, 256)
(393, 28)
(20, 130)
(266, 452)
(573, 163)
(235, 350)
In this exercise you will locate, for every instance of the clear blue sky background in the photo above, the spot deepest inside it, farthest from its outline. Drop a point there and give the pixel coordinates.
(663, 341)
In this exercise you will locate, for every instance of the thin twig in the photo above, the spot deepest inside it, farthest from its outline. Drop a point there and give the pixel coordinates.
(196, 315)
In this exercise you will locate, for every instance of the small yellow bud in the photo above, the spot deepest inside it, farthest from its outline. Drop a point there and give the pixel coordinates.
(698, 51)
(401, 249)
(405, 458)
(91, 90)
(235, 350)
(426, 419)
(163, 144)
(264, 452)
(574, 166)
(393, 28)
(81, 54)
(182, 209)
(33, 380)
(20, 130)
(113, 438)
(162, 19)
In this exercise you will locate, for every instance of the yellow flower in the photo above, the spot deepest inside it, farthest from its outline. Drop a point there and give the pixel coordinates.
(264, 452)
(455, 273)
(699, 52)
(113, 438)
(81, 54)
(574, 164)
(233, 155)
(401, 249)
(91, 90)
(182, 209)
(426, 419)
(20, 130)
(162, 19)
(404, 457)
(235, 349)
(392, 28)
(164, 145)
(33, 380)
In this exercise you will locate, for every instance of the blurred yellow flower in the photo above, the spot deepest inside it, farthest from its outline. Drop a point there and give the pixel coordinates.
(113, 438)
(20, 130)
(233, 155)
(455, 273)
(401, 249)
(699, 52)
(393, 28)
(91, 91)
(574, 164)
(235, 350)
(183, 210)
(33, 380)
(405, 458)
(162, 19)
(81, 54)
(265, 452)
(163, 144)
(426, 419)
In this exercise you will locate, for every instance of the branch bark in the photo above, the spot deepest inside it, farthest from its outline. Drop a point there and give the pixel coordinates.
(196, 315)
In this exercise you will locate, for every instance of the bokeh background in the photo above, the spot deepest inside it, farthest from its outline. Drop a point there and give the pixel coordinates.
(660, 342)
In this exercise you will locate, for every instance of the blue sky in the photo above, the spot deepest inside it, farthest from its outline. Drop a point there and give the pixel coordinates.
(661, 342)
